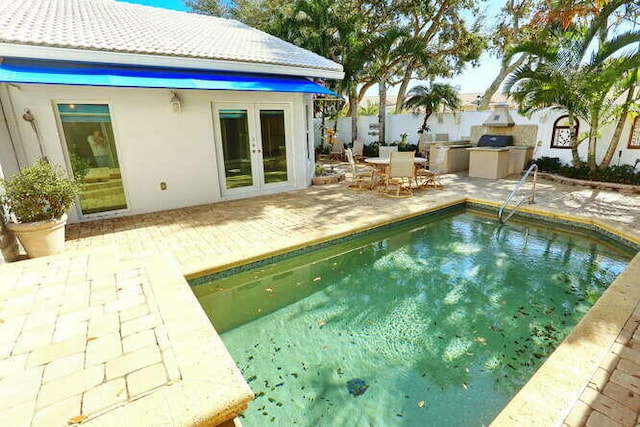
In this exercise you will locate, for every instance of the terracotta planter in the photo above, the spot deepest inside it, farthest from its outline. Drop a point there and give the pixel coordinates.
(41, 238)
(8, 244)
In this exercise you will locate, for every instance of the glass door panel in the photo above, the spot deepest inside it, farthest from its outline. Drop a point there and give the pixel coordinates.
(93, 157)
(274, 147)
(236, 151)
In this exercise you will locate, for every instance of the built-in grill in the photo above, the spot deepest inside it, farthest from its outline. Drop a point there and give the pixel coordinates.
(495, 141)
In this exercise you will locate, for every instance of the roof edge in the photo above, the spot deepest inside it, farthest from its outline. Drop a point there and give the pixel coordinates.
(124, 58)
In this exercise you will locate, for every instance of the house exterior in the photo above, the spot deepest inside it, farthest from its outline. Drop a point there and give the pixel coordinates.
(154, 109)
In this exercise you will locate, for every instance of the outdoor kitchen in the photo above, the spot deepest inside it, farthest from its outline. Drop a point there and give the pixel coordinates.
(494, 150)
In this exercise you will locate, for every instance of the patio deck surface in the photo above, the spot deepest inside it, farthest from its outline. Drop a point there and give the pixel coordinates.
(108, 333)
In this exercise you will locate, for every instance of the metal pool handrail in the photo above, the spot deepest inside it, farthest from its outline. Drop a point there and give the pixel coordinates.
(533, 168)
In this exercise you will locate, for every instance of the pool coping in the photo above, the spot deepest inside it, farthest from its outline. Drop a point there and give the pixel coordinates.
(95, 288)
(548, 397)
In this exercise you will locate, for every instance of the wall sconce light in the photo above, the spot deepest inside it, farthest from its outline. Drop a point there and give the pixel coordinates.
(176, 103)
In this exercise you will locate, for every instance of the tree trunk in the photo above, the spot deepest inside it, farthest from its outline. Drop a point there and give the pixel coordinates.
(353, 105)
(425, 126)
(402, 92)
(505, 70)
(573, 135)
(323, 125)
(382, 109)
(615, 138)
(593, 139)
(363, 90)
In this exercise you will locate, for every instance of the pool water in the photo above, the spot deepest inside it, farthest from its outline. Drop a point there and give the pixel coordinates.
(439, 321)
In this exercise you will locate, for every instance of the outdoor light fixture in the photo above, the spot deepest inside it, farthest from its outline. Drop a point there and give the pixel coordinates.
(176, 103)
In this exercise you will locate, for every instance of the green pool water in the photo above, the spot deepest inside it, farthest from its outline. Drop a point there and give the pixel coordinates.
(439, 321)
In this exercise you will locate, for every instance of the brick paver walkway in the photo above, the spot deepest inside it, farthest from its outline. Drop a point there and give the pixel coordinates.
(103, 370)
(612, 397)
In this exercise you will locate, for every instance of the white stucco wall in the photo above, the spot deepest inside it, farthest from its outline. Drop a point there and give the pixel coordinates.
(459, 127)
(154, 143)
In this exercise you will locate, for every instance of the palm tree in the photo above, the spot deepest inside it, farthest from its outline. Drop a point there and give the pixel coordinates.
(576, 69)
(430, 99)
(371, 109)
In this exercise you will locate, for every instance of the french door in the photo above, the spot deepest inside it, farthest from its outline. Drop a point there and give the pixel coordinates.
(253, 142)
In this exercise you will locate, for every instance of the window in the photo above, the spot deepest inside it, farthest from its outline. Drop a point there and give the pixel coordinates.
(93, 157)
(634, 138)
(561, 136)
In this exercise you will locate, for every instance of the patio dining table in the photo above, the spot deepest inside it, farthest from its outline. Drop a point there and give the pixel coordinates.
(381, 163)
(384, 161)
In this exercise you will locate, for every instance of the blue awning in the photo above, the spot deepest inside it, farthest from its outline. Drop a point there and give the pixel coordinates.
(14, 70)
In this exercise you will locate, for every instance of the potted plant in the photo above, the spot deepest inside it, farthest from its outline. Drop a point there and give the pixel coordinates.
(37, 199)
(323, 176)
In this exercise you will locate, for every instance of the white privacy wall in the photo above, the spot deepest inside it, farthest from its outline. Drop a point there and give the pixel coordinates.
(459, 127)
(154, 143)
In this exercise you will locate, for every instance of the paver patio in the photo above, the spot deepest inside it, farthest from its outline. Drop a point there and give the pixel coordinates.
(109, 332)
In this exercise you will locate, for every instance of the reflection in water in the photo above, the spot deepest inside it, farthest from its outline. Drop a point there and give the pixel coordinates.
(443, 322)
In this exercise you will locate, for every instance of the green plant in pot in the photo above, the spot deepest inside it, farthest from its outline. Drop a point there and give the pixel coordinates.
(37, 199)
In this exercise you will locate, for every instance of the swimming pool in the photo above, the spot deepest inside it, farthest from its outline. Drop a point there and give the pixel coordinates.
(437, 321)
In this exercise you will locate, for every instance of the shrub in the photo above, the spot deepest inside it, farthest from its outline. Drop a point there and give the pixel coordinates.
(370, 150)
(547, 164)
(39, 192)
(408, 147)
(622, 174)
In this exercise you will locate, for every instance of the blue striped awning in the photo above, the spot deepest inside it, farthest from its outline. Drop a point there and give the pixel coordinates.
(13, 70)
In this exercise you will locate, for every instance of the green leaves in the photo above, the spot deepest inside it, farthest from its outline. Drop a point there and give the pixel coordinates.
(431, 99)
(39, 192)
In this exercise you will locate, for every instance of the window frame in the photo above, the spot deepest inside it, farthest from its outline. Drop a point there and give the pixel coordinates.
(557, 127)
(66, 154)
(635, 131)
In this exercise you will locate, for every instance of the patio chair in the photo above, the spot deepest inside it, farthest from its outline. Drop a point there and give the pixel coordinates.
(429, 174)
(400, 174)
(337, 151)
(358, 150)
(385, 151)
(362, 178)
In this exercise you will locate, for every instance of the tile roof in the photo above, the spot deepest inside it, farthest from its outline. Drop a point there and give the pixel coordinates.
(108, 25)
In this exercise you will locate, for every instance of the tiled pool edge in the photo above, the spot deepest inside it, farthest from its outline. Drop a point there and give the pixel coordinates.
(279, 255)
(212, 273)
(206, 369)
(614, 232)
(202, 275)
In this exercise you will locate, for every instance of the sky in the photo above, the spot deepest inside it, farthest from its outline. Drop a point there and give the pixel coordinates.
(166, 4)
(471, 80)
